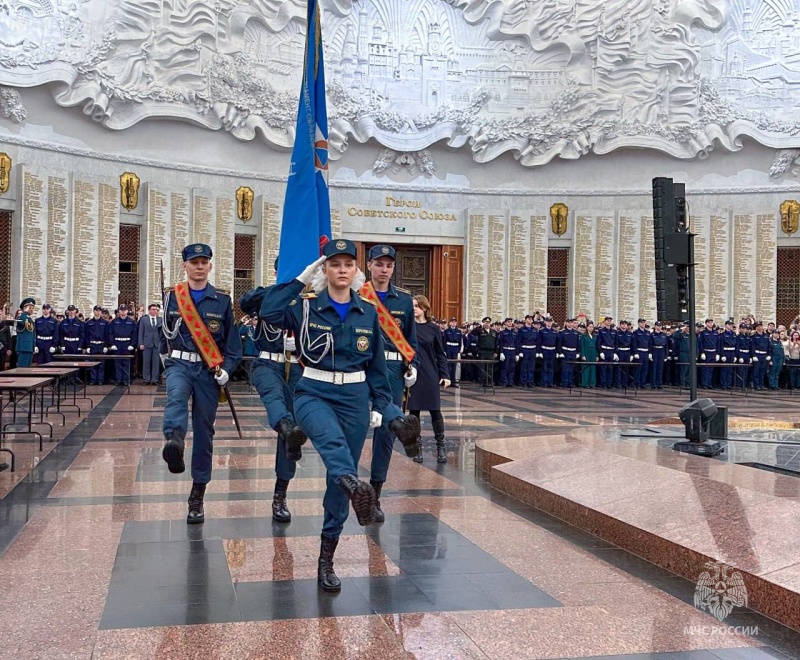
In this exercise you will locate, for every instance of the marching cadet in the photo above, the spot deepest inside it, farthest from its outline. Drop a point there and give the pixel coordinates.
(641, 351)
(25, 328)
(728, 343)
(339, 333)
(548, 349)
(396, 317)
(275, 373)
(453, 347)
(760, 352)
(625, 354)
(46, 336)
(121, 342)
(507, 340)
(71, 332)
(708, 352)
(204, 349)
(658, 355)
(607, 352)
(96, 334)
(528, 339)
(569, 340)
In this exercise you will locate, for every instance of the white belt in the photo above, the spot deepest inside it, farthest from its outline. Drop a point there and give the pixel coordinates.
(391, 355)
(71, 338)
(453, 343)
(729, 348)
(276, 357)
(564, 348)
(183, 355)
(44, 338)
(529, 347)
(335, 377)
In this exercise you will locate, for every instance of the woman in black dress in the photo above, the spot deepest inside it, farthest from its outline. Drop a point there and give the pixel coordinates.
(432, 372)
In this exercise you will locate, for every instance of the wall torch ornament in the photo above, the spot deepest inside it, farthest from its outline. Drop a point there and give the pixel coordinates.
(558, 218)
(129, 190)
(5, 173)
(244, 203)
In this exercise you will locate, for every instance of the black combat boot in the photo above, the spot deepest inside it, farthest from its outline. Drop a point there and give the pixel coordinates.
(378, 515)
(418, 458)
(173, 452)
(441, 451)
(407, 430)
(280, 512)
(325, 576)
(362, 496)
(294, 438)
(196, 514)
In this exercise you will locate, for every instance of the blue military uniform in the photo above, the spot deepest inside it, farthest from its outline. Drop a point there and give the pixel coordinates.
(760, 351)
(680, 347)
(569, 341)
(96, 337)
(606, 350)
(708, 353)
(401, 306)
(71, 332)
(25, 328)
(528, 342)
(344, 353)
(509, 349)
(453, 346)
(548, 349)
(728, 344)
(744, 356)
(659, 347)
(625, 354)
(121, 341)
(46, 337)
(276, 386)
(471, 351)
(641, 351)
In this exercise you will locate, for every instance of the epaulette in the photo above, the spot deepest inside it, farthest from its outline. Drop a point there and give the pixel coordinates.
(402, 290)
(224, 292)
(367, 300)
(169, 289)
(308, 296)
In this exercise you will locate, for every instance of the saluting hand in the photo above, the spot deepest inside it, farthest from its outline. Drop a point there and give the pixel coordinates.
(308, 274)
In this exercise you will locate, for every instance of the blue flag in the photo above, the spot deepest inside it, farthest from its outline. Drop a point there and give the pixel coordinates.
(306, 222)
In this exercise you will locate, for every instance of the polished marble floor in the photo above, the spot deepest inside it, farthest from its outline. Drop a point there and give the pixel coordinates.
(97, 561)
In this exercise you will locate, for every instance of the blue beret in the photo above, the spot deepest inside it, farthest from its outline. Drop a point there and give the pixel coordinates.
(196, 250)
(378, 251)
(339, 246)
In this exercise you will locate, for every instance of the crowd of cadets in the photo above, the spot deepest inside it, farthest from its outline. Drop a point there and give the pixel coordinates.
(536, 352)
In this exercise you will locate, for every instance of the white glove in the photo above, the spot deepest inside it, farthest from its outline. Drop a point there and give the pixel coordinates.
(602, 356)
(289, 344)
(519, 356)
(308, 274)
(741, 360)
(755, 359)
(578, 356)
(502, 357)
(651, 357)
(105, 349)
(36, 349)
(702, 356)
(516, 359)
(130, 348)
(222, 378)
(52, 349)
(112, 347)
(445, 382)
(616, 357)
(717, 358)
(633, 358)
(410, 377)
(375, 419)
(724, 359)
(769, 358)
(540, 355)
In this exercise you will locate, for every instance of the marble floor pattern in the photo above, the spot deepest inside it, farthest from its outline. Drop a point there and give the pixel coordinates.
(97, 561)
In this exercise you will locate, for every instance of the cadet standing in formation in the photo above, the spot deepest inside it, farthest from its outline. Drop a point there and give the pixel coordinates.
(509, 353)
(121, 337)
(203, 350)
(340, 335)
(548, 345)
(96, 343)
(275, 373)
(71, 332)
(453, 347)
(46, 336)
(641, 351)
(528, 339)
(569, 341)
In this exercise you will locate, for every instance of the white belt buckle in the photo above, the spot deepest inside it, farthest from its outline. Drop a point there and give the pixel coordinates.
(338, 377)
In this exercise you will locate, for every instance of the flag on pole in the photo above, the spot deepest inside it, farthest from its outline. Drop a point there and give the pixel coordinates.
(306, 225)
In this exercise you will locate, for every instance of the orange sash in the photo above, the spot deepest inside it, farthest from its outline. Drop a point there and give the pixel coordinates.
(201, 335)
(388, 323)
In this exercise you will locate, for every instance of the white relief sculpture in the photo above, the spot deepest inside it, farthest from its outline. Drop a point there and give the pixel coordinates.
(420, 162)
(545, 79)
(11, 105)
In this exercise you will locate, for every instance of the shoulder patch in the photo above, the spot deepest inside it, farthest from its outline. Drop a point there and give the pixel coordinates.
(367, 300)
(294, 302)
(401, 290)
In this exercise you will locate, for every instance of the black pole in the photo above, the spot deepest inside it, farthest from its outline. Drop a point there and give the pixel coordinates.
(692, 329)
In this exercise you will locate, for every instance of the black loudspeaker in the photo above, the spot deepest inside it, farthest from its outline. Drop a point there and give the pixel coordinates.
(663, 224)
(696, 417)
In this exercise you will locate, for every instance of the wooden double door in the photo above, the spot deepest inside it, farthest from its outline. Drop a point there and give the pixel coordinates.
(435, 271)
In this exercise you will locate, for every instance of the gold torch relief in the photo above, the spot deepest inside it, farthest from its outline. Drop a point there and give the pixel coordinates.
(129, 190)
(244, 203)
(790, 216)
(5, 173)
(558, 218)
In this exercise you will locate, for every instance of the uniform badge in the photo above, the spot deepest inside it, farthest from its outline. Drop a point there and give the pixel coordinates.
(341, 245)
(385, 250)
(198, 248)
(362, 344)
(213, 325)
